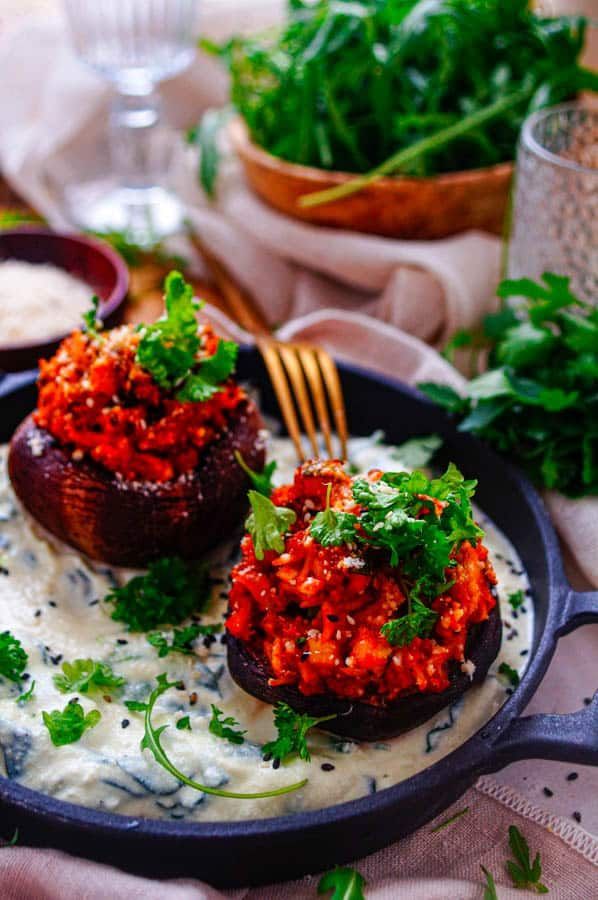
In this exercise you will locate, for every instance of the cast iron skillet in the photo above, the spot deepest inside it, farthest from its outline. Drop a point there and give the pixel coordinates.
(268, 850)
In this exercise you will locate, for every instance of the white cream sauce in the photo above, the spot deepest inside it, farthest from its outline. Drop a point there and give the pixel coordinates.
(52, 601)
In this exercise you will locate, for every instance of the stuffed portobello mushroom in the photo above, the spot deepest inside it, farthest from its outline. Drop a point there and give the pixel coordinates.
(130, 454)
(369, 598)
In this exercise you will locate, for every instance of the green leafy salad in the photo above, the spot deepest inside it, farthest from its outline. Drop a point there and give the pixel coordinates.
(346, 85)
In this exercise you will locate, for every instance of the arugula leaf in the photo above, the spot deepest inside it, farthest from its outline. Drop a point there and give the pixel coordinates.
(13, 659)
(168, 593)
(292, 730)
(516, 599)
(182, 638)
(268, 524)
(508, 672)
(490, 888)
(183, 724)
(213, 371)
(524, 874)
(331, 528)
(68, 725)
(345, 883)
(417, 452)
(86, 676)
(225, 728)
(93, 325)
(261, 481)
(152, 741)
(417, 623)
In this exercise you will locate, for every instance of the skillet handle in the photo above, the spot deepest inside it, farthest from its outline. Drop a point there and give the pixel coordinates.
(578, 609)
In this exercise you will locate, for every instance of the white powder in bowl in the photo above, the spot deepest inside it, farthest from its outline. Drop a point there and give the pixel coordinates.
(39, 301)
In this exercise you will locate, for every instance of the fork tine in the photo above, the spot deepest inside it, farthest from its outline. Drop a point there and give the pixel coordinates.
(314, 376)
(297, 379)
(283, 395)
(335, 394)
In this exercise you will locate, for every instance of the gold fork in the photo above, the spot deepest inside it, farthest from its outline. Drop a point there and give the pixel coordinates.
(305, 378)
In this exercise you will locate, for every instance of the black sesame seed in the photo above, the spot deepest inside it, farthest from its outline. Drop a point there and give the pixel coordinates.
(52, 603)
(56, 659)
(524, 653)
(276, 764)
(25, 676)
(327, 767)
(93, 602)
(38, 613)
(548, 792)
(125, 723)
(304, 655)
(267, 757)
(572, 776)
(577, 816)
(122, 641)
(332, 618)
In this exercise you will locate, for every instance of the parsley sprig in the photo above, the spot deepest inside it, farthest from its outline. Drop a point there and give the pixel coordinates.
(344, 882)
(87, 676)
(267, 524)
(169, 592)
(332, 528)
(261, 481)
(226, 728)
(169, 348)
(418, 622)
(292, 730)
(182, 639)
(152, 741)
(93, 324)
(68, 725)
(13, 659)
(524, 873)
(538, 401)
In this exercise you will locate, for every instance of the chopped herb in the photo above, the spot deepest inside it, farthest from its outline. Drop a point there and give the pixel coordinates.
(450, 821)
(417, 452)
(13, 659)
(68, 725)
(86, 676)
(292, 730)
(267, 524)
(524, 874)
(93, 325)
(28, 695)
(225, 728)
(509, 673)
(182, 638)
(184, 724)
(516, 599)
(331, 528)
(169, 348)
(490, 887)
(168, 593)
(538, 402)
(417, 623)
(261, 481)
(135, 705)
(151, 741)
(345, 884)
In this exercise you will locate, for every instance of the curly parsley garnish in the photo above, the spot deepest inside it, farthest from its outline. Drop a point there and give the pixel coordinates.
(267, 524)
(68, 725)
(345, 883)
(524, 873)
(225, 727)
(261, 481)
(167, 594)
(86, 676)
(93, 324)
(151, 741)
(13, 659)
(182, 638)
(332, 528)
(169, 348)
(292, 730)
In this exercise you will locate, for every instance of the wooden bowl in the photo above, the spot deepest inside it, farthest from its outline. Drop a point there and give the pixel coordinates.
(415, 208)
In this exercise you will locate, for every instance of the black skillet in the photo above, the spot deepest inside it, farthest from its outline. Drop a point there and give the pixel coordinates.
(267, 850)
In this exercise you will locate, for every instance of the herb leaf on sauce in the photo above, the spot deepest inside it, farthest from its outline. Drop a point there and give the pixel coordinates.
(261, 481)
(183, 724)
(27, 695)
(524, 873)
(152, 741)
(182, 638)
(267, 524)
(13, 659)
(225, 728)
(68, 725)
(509, 673)
(87, 675)
(345, 884)
(332, 528)
(292, 730)
(516, 599)
(168, 593)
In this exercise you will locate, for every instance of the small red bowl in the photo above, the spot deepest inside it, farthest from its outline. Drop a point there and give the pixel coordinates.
(86, 258)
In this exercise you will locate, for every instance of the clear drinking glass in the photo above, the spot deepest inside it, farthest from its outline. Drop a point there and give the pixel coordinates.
(555, 216)
(134, 44)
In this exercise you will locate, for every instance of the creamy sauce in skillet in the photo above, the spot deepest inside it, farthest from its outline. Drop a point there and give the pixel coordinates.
(52, 601)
